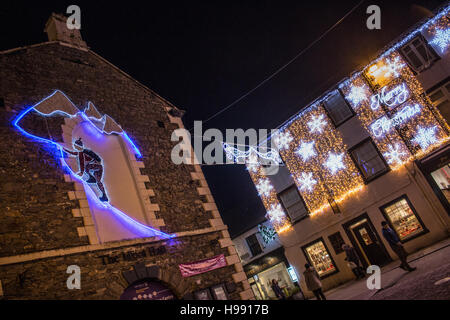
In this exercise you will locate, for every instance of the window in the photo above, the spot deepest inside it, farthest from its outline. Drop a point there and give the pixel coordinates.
(337, 108)
(319, 257)
(441, 177)
(368, 160)
(403, 219)
(336, 242)
(293, 203)
(418, 54)
(253, 245)
(441, 100)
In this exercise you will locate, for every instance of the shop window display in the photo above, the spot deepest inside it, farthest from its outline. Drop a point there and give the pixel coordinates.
(320, 258)
(403, 219)
(442, 178)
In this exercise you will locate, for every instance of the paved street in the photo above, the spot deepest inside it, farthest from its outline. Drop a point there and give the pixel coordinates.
(433, 265)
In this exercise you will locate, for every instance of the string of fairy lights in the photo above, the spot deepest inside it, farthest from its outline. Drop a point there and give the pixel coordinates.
(392, 106)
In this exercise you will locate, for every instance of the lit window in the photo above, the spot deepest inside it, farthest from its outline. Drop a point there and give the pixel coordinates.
(441, 177)
(418, 54)
(441, 100)
(293, 203)
(318, 255)
(403, 219)
(337, 108)
(368, 160)
(384, 70)
(253, 244)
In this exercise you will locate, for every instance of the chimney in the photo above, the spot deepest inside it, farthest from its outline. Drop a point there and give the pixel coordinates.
(56, 29)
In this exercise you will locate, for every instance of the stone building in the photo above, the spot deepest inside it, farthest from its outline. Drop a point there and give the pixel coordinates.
(373, 148)
(153, 219)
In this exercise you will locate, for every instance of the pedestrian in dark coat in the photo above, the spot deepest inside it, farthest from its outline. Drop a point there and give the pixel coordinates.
(278, 292)
(396, 246)
(313, 282)
(353, 259)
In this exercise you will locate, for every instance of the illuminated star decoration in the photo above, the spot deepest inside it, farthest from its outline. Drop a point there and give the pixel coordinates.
(316, 124)
(276, 213)
(425, 137)
(356, 95)
(307, 181)
(306, 150)
(394, 154)
(335, 162)
(441, 38)
(282, 140)
(393, 67)
(264, 187)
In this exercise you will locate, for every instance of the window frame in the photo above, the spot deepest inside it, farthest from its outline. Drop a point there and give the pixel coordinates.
(301, 199)
(441, 86)
(250, 247)
(305, 253)
(386, 217)
(427, 46)
(352, 112)
(331, 242)
(375, 176)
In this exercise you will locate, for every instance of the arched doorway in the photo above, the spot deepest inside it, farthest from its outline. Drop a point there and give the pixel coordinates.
(148, 289)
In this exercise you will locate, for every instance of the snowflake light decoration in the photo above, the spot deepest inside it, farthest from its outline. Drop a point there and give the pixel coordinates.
(276, 213)
(307, 181)
(306, 150)
(282, 140)
(264, 187)
(393, 67)
(317, 123)
(394, 154)
(425, 137)
(267, 233)
(335, 162)
(356, 95)
(441, 38)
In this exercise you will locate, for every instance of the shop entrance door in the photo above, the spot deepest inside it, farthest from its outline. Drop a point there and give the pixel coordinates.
(370, 245)
(366, 241)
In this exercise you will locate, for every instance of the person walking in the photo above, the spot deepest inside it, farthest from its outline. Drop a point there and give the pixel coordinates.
(313, 283)
(353, 261)
(278, 292)
(396, 246)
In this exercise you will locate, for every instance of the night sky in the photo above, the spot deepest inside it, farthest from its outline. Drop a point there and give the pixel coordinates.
(203, 55)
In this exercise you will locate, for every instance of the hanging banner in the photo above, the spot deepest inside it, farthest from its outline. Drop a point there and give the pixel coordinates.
(193, 268)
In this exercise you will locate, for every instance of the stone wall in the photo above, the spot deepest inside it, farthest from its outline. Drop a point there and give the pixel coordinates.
(46, 278)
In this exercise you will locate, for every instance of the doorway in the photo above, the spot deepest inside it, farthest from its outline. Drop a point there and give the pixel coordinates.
(366, 241)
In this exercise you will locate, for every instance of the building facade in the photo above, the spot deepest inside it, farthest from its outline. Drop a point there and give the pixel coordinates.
(373, 148)
(262, 256)
(88, 187)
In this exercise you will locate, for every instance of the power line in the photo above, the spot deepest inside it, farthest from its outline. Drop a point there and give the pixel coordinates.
(284, 66)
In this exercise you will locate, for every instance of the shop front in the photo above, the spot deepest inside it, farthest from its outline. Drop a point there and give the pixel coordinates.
(436, 168)
(262, 271)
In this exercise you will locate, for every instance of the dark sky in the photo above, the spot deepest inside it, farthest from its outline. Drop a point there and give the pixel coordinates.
(203, 55)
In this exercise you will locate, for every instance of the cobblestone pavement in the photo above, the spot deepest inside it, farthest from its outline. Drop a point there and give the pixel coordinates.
(433, 265)
(420, 284)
